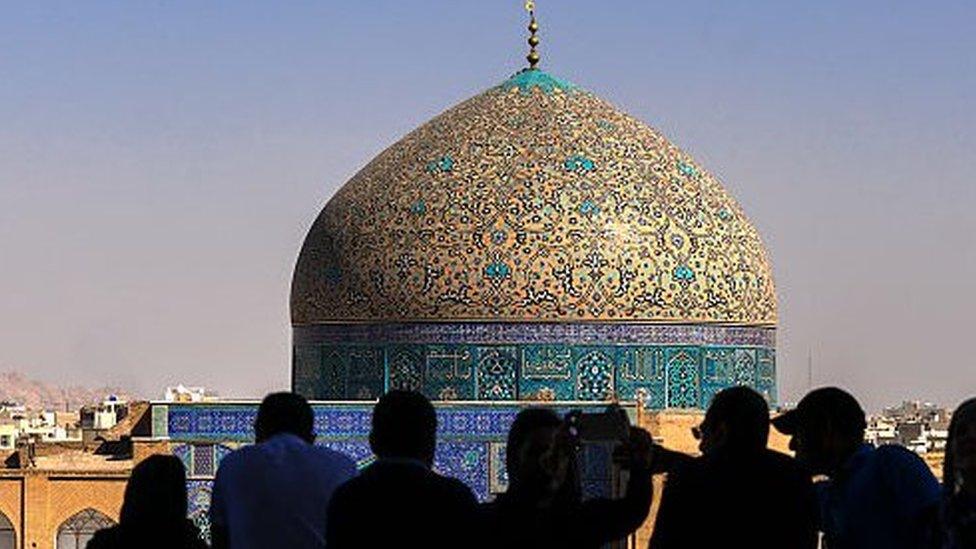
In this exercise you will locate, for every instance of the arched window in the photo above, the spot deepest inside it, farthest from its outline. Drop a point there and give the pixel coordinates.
(8, 539)
(75, 532)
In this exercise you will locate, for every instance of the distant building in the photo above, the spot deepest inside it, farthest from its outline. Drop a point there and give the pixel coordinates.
(16, 423)
(8, 436)
(7, 406)
(881, 430)
(97, 419)
(182, 393)
(920, 426)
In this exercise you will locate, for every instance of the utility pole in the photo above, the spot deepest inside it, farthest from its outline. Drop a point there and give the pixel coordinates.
(809, 369)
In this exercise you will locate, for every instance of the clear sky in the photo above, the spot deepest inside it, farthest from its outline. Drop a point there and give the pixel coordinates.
(160, 163)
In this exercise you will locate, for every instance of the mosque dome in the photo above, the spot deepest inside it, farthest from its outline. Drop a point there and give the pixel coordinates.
(535, 201)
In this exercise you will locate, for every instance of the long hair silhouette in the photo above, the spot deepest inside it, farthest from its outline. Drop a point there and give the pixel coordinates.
(962, 417)
(156, 493)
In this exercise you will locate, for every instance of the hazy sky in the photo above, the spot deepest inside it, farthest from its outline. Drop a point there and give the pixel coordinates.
(160, 163)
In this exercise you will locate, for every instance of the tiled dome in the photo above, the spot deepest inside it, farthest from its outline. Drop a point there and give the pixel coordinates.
(533, 201)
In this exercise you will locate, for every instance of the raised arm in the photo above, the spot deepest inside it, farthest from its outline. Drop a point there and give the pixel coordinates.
(604, 520)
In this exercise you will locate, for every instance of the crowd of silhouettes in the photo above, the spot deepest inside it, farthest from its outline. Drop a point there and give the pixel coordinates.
(837, 492)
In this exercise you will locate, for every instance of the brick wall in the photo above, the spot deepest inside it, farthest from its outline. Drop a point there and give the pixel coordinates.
(49, 498)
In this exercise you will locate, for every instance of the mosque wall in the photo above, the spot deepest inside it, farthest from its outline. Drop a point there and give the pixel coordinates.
(663, 367)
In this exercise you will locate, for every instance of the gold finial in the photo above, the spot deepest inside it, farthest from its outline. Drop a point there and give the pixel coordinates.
(533, 56)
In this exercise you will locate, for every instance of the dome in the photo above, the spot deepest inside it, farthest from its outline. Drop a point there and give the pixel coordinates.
(535, 201)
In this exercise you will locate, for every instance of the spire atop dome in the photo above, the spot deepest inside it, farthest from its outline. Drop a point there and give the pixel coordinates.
(533, 56)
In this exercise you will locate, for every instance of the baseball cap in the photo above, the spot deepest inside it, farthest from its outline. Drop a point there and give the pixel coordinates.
(827, 404)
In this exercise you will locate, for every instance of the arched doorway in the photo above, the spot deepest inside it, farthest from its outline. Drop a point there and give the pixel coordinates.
(75, 532)
(8, 538)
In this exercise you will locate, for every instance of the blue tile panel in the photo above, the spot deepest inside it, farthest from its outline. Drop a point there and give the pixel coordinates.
(229, 423)
(203, 461)
(198, 500)
(664, 366)
(676, 373)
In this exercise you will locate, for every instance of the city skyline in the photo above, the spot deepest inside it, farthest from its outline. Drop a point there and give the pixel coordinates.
(161, 166)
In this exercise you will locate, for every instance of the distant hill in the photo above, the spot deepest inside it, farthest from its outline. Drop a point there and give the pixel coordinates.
(16, 387)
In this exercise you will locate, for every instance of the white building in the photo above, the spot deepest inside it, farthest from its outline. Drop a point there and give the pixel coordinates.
(182, 393)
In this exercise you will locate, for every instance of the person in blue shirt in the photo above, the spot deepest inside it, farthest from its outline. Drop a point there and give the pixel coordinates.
(875, 498)
(275, 493)
(959, 479)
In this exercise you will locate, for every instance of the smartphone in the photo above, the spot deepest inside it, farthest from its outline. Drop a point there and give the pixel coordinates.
(611, 425)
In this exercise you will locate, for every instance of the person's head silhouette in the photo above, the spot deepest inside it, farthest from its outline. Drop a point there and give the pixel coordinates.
(404, 427)
(737, 419)
(539, 455)
(959, 468)
(284, 413)
(155, 493)
(826, 427)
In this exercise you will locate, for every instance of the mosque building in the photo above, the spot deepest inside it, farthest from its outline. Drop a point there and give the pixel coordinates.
(533, 245)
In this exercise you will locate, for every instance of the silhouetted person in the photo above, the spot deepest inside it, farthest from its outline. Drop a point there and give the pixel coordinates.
(153, 511)
(543, 507)
(398, 501)
(884, 498)
(275, 493)
(738, 493)
(959, 480)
